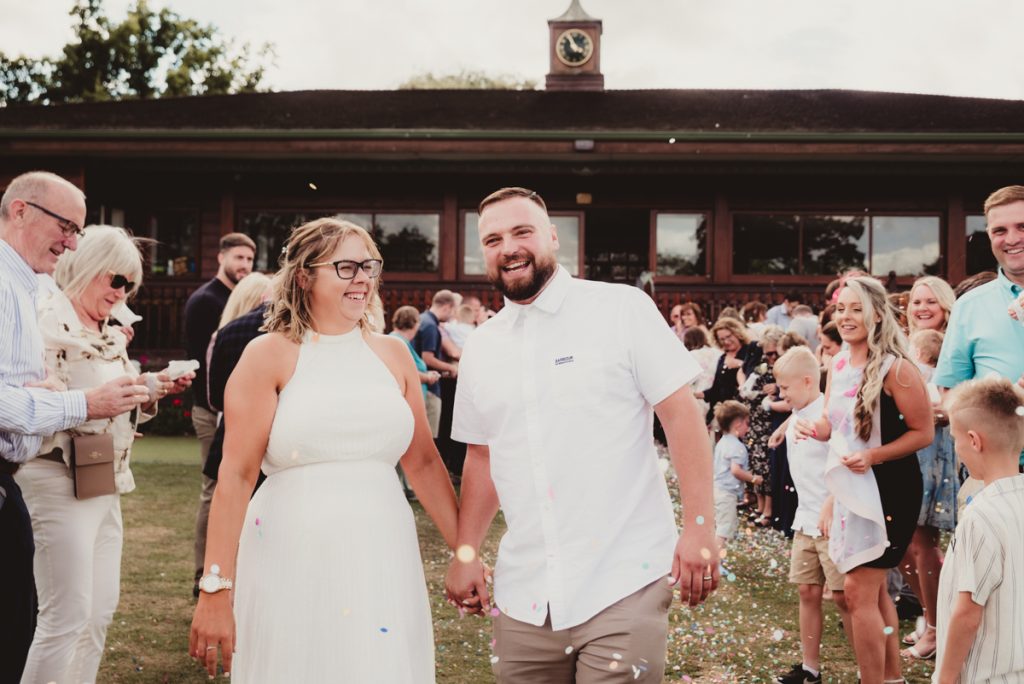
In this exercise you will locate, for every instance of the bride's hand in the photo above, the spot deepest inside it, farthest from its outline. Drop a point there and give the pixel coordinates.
(466, 585)
(213, 626)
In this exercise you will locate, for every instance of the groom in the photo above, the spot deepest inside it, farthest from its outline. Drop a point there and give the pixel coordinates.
(554, 400)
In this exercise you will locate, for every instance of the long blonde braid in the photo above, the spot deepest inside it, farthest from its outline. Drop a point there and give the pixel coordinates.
(885, 337)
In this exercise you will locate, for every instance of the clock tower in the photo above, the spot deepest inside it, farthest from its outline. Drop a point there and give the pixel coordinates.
(575, 51)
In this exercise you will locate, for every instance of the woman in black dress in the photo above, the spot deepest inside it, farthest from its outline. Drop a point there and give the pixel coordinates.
(732, 338)
(876, 376)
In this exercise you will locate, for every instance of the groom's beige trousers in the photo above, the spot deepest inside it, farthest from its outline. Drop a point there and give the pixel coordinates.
(625, 642)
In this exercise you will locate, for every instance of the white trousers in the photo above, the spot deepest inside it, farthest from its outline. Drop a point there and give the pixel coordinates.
(78, 574)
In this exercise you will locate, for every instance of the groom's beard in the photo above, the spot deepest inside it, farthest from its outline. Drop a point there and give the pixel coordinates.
(523, 284)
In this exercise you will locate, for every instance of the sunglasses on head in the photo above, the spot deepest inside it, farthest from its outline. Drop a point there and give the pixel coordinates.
(117, 281)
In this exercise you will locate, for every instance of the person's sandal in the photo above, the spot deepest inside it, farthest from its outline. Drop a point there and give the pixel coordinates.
(919, 627)
(915, 654)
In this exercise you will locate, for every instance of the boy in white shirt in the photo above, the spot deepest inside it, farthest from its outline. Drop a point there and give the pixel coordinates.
(460, 327)
(981, 601)
(731, 467)
(797, 375)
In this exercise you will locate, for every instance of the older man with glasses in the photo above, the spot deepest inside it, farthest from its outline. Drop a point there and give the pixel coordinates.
(41, 215)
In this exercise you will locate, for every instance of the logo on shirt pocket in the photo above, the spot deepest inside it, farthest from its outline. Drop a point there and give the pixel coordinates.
(562, 360)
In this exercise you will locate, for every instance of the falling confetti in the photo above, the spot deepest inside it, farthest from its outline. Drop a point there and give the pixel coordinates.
(613, 665)
(777, 635)
(383, 630)
(568, 650)
(705, 553)
(466, 553)
(617, 656)
(700, 519)
(888, 630)
(494, 660)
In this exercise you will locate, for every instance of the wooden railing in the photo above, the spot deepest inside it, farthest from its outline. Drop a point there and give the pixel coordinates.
(162, 304)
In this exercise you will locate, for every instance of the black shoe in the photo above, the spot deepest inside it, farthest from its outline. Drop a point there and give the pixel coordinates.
(798, 675)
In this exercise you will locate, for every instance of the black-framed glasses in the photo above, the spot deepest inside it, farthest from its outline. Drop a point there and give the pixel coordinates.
(347, 269)
(117, 281)
(67, 226)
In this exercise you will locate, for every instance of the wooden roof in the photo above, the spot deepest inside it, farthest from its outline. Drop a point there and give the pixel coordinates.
(496, 113)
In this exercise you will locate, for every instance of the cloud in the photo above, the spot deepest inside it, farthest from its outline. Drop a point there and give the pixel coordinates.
(937, 46)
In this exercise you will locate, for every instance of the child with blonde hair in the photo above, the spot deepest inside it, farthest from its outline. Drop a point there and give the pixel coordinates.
(731, 467)
(981, 604)
(797, 374)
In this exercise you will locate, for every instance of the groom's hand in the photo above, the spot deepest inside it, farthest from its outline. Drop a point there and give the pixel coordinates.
(695, 564)
(466, 585)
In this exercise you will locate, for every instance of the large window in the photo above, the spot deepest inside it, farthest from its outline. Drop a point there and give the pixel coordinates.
(175, 233)
(826, 244)
(979, 247)
(681, 244)
(567, 226)
(407, 241)
(270, 230)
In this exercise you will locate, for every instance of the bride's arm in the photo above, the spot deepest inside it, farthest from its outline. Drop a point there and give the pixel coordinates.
(250, 402)
(421, 462)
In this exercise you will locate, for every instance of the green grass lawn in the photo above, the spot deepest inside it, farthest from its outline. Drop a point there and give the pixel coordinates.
(746, 633)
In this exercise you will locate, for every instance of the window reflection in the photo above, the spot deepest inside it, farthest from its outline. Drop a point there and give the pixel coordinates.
(408, 242)
(568, 228)
(175, 232)
(979, 247)
(906, 245)
(765, 244)
(681, 241)
(270, 231)
(833, 244)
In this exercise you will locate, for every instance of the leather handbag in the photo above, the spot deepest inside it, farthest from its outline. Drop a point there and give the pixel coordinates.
(92, 463)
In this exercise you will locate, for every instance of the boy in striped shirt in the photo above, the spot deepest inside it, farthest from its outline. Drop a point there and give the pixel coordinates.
(981, 598)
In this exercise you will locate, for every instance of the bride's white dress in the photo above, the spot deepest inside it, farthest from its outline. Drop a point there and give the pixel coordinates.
(329, 582)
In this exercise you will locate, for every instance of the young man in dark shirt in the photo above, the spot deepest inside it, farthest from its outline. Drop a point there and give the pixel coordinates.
(428, 345)
(202, 315)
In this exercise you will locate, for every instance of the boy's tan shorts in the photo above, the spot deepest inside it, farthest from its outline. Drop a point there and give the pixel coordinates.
(810, 563)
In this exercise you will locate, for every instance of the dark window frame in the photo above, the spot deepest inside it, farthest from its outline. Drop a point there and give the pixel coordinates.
(799, 279)
(131, 213)
(709, 239)
(430, 276)
(461, 251)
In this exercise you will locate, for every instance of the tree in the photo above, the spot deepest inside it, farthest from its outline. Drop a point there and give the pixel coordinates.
(467, 80)
(148, 54)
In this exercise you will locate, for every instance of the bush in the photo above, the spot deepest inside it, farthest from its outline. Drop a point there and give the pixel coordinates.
(174, 418)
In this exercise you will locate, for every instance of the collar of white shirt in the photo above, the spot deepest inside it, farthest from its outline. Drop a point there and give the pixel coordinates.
(549, 300)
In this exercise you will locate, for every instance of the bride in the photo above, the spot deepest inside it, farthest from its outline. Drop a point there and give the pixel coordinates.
(328, 584)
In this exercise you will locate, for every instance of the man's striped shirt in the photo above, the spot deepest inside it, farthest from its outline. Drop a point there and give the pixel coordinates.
(26, 414)
(986, 559)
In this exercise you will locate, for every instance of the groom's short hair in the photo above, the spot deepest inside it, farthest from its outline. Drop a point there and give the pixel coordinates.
(509, 193)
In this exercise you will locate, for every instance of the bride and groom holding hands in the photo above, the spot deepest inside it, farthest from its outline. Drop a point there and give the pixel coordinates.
(554, 401)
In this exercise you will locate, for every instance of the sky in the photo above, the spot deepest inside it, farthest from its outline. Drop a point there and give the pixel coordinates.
(951, 47)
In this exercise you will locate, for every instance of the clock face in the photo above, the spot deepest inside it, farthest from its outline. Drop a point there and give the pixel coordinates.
(574, 47)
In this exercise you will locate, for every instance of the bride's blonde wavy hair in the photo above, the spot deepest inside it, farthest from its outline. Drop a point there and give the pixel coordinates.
(885, 337)
(310, 243)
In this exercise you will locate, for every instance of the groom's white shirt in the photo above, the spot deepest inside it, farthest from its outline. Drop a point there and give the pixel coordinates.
(561, 391)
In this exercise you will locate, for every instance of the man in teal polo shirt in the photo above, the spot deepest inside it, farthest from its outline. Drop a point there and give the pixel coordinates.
(982, 338)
